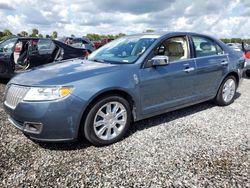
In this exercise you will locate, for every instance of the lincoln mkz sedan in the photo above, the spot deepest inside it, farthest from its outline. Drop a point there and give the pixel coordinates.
(129, 79)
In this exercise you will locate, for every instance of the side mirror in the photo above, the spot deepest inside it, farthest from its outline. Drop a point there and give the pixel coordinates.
(159, 60)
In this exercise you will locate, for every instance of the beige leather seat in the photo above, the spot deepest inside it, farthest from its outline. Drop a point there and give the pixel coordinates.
(174, 51)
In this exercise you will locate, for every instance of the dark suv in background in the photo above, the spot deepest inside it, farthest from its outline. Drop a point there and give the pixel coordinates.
(18, 54)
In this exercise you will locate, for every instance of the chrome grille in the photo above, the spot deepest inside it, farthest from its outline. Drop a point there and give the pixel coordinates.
(14, 95)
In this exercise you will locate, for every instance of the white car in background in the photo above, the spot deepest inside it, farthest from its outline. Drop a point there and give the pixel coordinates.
(244, 49)
(235, 46)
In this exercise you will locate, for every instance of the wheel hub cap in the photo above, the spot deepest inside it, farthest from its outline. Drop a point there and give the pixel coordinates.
(228, 90)
(110, 120)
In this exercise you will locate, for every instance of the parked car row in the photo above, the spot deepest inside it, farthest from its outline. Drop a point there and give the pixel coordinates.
(83, 43)
(129, 79)
(244, 50)
(22, 53)
(101, 43)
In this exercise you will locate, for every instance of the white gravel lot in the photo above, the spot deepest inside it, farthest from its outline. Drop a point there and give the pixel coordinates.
(200, 146)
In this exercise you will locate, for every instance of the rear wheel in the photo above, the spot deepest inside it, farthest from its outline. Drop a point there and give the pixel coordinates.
(227, 90)
(248, 73)
(107, 121)
(2, 68)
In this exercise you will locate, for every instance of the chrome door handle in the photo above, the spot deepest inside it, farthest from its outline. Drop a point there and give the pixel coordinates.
(224, 62)
(189, 69)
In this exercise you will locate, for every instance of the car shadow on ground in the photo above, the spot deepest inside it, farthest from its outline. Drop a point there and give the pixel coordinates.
(138, 126)
(173, 115)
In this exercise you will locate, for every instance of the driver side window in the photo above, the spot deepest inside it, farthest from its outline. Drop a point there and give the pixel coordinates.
(176, 48)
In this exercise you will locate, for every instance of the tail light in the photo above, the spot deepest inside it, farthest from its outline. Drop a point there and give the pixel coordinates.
(247, 55)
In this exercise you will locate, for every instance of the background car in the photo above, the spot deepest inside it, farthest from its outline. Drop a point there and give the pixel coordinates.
(77, 42)
(18, 54)
(129, 79)
(235, 46)
(104, 41)
(243, 50)
(246, 49)
(7, 64)
(247, 67)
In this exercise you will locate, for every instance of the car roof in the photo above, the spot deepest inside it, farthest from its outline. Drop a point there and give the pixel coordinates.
(166, 33)
(23, 38)
(30, 38)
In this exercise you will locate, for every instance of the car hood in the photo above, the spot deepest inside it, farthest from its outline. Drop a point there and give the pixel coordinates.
(64, 72)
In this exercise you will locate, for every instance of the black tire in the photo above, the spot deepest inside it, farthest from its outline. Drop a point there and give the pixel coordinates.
(219, 97)
(248, 73)
(88, 129)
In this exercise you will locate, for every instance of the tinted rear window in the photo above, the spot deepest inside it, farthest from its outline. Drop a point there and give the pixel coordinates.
(206, 47)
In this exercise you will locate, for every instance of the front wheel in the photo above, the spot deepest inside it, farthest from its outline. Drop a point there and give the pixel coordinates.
(227, 90)
(107, 121)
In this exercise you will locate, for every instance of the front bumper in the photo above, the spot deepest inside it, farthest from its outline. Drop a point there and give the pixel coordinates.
(50, 121)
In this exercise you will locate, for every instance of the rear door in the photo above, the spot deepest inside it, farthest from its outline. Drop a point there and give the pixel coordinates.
(211, 64)
(40, 53)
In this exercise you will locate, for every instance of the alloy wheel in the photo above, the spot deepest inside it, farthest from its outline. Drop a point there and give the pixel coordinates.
(110, 120)
(228, 91)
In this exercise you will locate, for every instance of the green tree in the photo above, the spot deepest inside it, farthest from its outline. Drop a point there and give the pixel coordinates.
(47, 36)
(7, 33)
(94, 37)
(35, 33)
(40, 35)
(149, 31)
(120, 35)
(24, 34)
(225, 40)
(54, 35)
(236, 40)
(97, 37)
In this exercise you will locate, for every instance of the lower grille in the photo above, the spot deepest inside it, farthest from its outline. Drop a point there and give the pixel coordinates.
(14, 95)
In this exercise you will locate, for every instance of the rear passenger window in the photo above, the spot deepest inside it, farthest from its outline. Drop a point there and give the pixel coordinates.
(45, 44)
(206, 47)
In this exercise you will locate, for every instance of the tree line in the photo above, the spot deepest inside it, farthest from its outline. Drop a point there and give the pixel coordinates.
(235, 40)
(92, 36)
(35, 33)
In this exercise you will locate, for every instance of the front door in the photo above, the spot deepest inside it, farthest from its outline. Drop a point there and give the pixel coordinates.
(171, 85)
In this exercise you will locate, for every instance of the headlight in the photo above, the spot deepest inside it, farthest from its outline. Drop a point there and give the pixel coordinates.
(47, 94)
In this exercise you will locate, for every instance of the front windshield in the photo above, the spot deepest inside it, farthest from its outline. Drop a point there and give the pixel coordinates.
(123, 50)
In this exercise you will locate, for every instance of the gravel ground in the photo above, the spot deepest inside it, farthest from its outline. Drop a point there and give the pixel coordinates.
(202, 146)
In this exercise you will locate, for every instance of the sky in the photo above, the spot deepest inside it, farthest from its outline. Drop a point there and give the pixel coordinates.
(219, 18)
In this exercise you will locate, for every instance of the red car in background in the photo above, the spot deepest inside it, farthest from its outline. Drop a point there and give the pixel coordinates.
(244, 50)
(101, 43)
